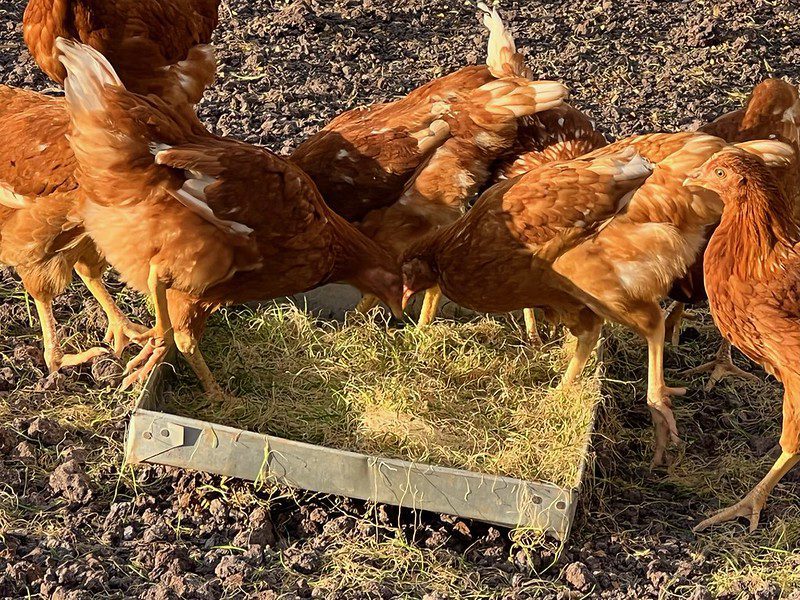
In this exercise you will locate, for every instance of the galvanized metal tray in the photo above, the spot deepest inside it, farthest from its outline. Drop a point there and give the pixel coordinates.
(162, 438)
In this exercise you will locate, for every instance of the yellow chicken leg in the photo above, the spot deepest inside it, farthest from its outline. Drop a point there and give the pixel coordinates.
(121, 330)
(430, 306)
(161, 337)
(658, 397)
(752, 504)
(53, 354)
(187, 345)
(531, 328)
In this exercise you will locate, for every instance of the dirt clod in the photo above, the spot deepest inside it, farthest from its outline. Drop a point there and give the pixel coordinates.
(71, 482)
(579, 576)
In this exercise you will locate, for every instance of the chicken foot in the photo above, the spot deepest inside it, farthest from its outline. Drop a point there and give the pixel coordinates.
(121, 330)
(751, 505)
(54, 356)
(722, 366)
(160, 339)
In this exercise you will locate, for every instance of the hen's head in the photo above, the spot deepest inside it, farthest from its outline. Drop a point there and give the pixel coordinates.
(418, 276)
(729, 172)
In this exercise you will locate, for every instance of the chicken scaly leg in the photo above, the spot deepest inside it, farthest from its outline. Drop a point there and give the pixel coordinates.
(672, 322)
(190, 351)
(430, 306)
(658, 397)
(121, 330)
(587, 340)
(722, 366)
(53, 354)
(160, 339)
(531, 328)
(751, 505)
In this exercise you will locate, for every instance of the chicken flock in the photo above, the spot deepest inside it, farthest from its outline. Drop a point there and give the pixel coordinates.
(483, 186)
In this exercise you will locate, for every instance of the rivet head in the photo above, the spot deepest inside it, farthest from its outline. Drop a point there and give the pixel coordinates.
(165, 432)
(147, 435)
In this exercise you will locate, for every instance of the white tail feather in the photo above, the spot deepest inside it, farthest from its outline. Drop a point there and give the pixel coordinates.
(88, 73)
(627, 165)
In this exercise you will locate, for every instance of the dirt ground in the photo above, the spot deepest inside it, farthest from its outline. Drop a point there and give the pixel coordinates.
(75, 525)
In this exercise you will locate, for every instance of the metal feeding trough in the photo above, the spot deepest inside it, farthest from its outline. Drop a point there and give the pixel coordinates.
(162, 438)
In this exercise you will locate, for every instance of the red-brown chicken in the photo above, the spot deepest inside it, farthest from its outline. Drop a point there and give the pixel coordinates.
(772, 112)
(215, 220)
(752, 274)
(363, 159)
(560, 133)
(41, 234)
(499, 256)
(140, 38)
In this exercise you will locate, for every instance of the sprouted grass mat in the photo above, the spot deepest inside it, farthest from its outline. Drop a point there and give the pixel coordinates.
(470, 395)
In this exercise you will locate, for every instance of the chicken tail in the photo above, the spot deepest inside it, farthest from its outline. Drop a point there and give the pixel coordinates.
(515, 97)
(772, 152)
(88, 74)
(502, 57)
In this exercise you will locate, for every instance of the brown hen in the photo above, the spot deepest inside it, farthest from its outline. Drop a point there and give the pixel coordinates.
(499, 257)
(41, 234)
(363, 159)
(141, 38)
(752, 273)
(214, 220)
(772, 111)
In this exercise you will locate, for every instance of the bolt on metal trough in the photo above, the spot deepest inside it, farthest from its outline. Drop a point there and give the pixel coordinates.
(162, 438)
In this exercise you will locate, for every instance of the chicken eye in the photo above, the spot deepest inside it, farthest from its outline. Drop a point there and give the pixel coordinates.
(720, 173)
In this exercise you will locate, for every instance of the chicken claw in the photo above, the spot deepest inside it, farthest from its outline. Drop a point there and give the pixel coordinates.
(56, 360)
(666, 429)
(722, 366)
(750, 507)
(120, 333)
(151, 355)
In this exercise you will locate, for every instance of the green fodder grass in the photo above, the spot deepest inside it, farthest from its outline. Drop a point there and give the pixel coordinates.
(470, 395)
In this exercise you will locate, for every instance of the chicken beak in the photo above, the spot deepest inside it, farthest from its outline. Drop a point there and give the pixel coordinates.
(407, 295)
(693, 180)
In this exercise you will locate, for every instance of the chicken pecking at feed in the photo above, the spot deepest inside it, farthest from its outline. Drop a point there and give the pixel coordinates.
(41, 233)
(772, 111)
(199, 221)
(561, 133)
(142, 39)
(752, 275)
(499, 257)
(629, 265)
